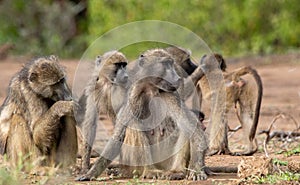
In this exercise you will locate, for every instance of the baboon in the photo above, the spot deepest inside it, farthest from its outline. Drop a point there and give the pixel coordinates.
(36, 118)
(152, 102)
(242, 96)
(104, 94)
(182, 58)
(185, 68)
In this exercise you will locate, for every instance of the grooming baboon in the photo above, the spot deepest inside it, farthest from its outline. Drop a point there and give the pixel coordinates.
(103, 95)
(36, 118)
(152, 102)
(241, 95)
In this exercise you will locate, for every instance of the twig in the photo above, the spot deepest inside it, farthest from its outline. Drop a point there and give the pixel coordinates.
(280, 134)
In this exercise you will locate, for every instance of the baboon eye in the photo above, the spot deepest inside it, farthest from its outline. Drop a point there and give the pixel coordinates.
(121, 65)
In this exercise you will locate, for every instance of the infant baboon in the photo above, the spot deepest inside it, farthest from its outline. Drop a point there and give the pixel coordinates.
(152, 102)
(103, 95)
(239, 94)
(36, 118)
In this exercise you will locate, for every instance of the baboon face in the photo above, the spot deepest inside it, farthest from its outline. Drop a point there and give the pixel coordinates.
(182, 58)
(113, 67)
(47, 78)
(214, 57)
(121, 75)
(160, 72)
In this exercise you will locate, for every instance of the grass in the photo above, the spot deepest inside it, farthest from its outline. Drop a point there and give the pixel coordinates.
(291, 152)
(278, 177)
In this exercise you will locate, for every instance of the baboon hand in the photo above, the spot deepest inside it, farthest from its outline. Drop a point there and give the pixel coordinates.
(64, 108)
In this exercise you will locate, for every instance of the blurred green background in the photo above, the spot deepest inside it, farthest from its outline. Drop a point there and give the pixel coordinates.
(231, 27)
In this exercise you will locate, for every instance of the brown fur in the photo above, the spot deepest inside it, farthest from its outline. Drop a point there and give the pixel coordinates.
(36, 118)
(152, 96)
(103, 95)
(238, 94)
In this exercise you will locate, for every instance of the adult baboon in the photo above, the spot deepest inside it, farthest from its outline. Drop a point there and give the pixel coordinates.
(239, 94)
(104, 94)
(184, 67)
(152, 102)
(36, 118)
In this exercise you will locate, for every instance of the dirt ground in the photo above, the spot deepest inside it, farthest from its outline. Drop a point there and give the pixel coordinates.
(280, 75)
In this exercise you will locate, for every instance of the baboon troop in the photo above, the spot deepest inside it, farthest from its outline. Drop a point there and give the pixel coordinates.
(156, 135)
(36, 118)
(241, 96)
(153, 103)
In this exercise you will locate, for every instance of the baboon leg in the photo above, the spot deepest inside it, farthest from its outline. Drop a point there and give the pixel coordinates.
(112, 149)
(46, 128)
(178, 170)
(135, 144)
(246, 115)
(19, 142)
(197, 165)
(66, 155)
(192, 133)
(218, 142)
(89, 134)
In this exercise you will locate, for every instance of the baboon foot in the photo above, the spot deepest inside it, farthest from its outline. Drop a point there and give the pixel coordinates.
(196, 176)
(115, 171)
(173, 176)
(224, 151)
(152, 174)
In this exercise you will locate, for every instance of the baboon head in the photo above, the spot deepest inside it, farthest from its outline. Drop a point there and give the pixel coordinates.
(48, 79)
(214, 57)
(158, 70)
(182, 57)
(112, 66)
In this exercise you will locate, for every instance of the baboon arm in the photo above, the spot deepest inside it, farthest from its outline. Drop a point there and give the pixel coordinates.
(46, 128)
(190, 82)
(197, 75)
(111, 150)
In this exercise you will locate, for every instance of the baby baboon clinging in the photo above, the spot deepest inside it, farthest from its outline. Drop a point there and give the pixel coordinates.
(152, 102)
(36, 118)
(241, 95)
(103, 95)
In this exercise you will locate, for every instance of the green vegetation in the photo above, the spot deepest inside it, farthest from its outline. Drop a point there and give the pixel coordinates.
(278, 177)
(279, 162)
(295, 151)
(231, 27)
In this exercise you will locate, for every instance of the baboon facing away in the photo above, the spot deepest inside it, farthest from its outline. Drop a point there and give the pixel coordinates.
(242, 96)
(36, 118)
(153, 102)
(103, 95)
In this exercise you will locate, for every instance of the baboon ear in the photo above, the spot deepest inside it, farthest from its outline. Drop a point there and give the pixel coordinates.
(98, 60)
(53, 58)
(33, 77)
